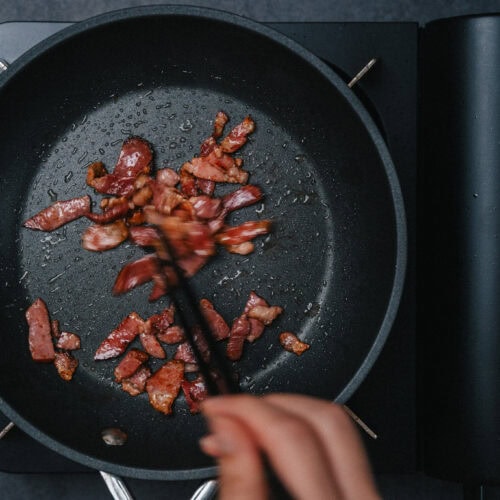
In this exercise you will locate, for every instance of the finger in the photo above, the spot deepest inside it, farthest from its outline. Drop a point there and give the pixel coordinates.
(291, 444)
(346, 454)
(240, 471)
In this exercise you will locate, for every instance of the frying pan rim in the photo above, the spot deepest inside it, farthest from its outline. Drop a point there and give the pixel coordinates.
(398, 205)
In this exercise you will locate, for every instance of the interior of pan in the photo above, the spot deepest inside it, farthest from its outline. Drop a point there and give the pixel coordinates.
(331, 262)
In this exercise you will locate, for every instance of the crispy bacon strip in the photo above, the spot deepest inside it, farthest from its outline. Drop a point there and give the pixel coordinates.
(68, 341)
(99, 238)
(55, 329)
(130, 364)
(172, 335)
(66, 365)
(265, 314)
(135, 159)
(210, 142)
(216, 169)
(144, 236)
(244, 232)
(195, 392)
(59, 213)
(239, 332)
(188, 183)
(238, 136)
(241, 249)
(118, 340)
(161, 321)
(117, 210)
(164, 386)
(167, 176)
(256, 326)
(166, 198)
(242, 197)
(291, 343)
(216, 322)
(136, 384)
(39, 336)
(206, 187)
(205, 206)
(186, 354)
(151, 344)
(136, 273)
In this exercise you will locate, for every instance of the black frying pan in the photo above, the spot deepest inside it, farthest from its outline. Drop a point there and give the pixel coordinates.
(335, 261)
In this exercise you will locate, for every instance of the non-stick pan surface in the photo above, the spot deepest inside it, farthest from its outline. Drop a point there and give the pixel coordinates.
(335, 260)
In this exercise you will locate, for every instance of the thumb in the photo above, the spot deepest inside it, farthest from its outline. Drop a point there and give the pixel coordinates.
(241, 475)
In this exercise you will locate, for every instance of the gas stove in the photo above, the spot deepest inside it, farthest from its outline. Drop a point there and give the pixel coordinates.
(386, 400)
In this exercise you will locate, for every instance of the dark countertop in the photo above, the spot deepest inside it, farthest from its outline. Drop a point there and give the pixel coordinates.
(76, 486)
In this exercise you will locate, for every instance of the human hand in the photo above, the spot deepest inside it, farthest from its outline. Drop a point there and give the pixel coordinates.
(312, 446)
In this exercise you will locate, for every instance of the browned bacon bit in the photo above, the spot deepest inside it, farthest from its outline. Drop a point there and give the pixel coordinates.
(136, 384)
(238, 136)
(136, 273)
(185, 353)
(94, 171)
(205, 206)
(40, 340)
(164, 386)
(114, 210)
(219, 123)
(159, 290)
(59, 213)
(265, 314)
(66, 365)
(118, 340)
(68, 341)
(195, 392)
(239, 332)
(241, 249)
(206, 187)
(216, 168)
(137, 218)
(130, 364)
(172, 335)
(216, 322)
(244, 232)
(135, 159)
(188, 183)
(161, 321)
(291, 343)
(98, 238)
(242, 197)
(151, 344)
(55, 329)
(256, 326)
(166, 198)
(144, 236)
(167, 176)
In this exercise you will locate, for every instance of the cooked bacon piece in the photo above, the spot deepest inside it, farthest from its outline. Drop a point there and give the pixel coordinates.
(161, 321)
(98, 238)
(205, 206)
(166, 198)
(291, 343)
(158, 291)
(206, 187)
(265, 314)
(68, 341)
(172, 335)
(241, 249)
(242, 197)
(244, 232)
(219, 123)
(164, 386)
(195, 392)
(192, 264)
(239, 331)
(39, 336)
(151, 344)
(188, 183)
(136, 384)
(238, 136)
(256, 326)
(66, 365)
(167, 176)
(137, 218)
(144, 236)
(118, 340)
(94, 171)
(136, 273)
(130, 364)
(114, 210)
(185, 353)
(210, 142)
(59, 213)
(216, 322)
(142, 196)
(135, 159)
(55, 330)
(216, 168)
